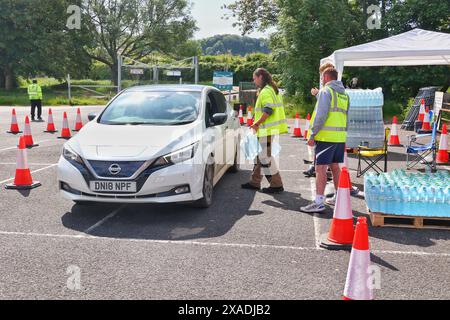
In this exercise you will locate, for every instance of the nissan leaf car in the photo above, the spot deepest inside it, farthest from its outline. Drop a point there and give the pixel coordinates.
(153, 144)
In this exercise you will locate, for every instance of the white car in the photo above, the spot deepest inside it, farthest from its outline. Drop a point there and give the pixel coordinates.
(153, 144)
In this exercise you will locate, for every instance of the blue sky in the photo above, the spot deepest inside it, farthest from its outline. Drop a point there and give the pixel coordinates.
(208, 15)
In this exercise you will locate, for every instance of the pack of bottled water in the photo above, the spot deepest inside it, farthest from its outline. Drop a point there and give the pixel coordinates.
(412, 194)
(365, 125)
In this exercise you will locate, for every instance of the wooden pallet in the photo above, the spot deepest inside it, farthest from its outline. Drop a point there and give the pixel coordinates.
(414, 222)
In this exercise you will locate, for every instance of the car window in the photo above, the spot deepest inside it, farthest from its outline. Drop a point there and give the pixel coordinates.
(221, 103)
(209, 112)
(152, 108)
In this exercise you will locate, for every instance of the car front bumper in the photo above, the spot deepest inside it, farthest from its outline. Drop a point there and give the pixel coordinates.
(158, 187)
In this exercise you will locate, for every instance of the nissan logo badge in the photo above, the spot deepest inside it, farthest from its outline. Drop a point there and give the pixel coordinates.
(115, 169)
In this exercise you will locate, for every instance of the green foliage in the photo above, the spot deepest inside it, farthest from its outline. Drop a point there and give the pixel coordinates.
(34, 40)
(236, 45)
(135, 28)
(309, 30)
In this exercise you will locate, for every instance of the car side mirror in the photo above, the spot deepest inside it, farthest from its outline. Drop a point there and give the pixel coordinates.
(92, 116)
(219, 118)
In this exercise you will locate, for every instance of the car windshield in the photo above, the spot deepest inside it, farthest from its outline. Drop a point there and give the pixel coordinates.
(152, 108)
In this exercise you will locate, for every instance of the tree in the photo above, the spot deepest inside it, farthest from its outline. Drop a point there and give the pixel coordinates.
(308, 31)
(135, 28)
(221, 44)
(252, 15)
(34, 39)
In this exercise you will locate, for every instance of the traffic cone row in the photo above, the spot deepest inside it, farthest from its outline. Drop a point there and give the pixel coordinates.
(14, 126)
(50, 124)
(51, 128)
(29, 143)
(357, 284)
(65, 132)
(297, 129)
(78, 123)
(22, 179)
(249, 117)
(394, 139)
(421, 111)
(443, 157)
(426, 126)
(308, 119)
(241, 115)
(340, 235)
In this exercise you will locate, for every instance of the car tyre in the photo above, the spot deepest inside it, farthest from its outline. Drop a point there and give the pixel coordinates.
(208, 186)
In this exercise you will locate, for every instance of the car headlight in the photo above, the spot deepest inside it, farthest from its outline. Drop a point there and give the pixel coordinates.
(71, 155)
(177, 156)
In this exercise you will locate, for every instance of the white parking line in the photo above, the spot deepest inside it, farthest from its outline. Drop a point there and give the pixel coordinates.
(207, 244)
(35, 171)
(109, 216)
(316, 219)
(12, 148)
(30, 164)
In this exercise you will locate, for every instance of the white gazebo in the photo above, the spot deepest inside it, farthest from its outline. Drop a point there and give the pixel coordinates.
(413, 48)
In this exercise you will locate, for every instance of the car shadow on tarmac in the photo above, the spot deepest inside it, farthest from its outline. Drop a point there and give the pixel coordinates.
(172, 221)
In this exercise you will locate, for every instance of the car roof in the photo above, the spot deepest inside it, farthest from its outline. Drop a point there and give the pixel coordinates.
(174, 88)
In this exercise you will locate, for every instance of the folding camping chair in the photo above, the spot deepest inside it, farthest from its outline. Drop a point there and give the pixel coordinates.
(420, 151)
(371, 156)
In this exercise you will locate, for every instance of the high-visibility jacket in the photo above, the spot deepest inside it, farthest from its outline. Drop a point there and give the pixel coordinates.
(276, 123)
(335, 127)
(35, 92)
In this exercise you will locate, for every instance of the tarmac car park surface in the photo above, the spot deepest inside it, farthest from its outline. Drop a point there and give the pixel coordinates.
(247, 245)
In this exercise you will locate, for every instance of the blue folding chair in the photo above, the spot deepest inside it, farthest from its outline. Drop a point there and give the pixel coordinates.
(418, 152)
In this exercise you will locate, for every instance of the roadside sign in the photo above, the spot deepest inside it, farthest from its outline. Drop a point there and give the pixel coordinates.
(223, 80)
(173, 73)
(137, 71)
(438, 101)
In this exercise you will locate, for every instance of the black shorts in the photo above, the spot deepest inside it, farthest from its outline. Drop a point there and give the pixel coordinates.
(329, 152)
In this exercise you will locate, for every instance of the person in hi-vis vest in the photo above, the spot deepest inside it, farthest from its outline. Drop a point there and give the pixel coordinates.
(35, 95)
(328, 134)
(270, 121)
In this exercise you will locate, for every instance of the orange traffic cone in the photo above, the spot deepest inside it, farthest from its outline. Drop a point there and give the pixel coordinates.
(29, 143)
(394, 140)
(65, 133)
(340, 236)
(249, 117)
(443, 156)
(22, 180)
(78, 123)
(241, 115)
(14, 126)
(308, 119)
(421, 111)
(426, 122)
(297, 129)
(357, 286)
(50, 124)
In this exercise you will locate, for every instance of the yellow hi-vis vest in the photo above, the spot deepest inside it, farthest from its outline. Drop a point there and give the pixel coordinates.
(35, 92)
(335, 127)
(276, 123)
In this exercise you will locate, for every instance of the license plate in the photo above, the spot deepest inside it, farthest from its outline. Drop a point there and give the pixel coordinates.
(113, 186)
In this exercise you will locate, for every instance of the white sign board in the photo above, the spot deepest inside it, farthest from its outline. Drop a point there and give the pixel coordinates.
(438, 101)
(223, 80)
(136, 71)
(171, 73)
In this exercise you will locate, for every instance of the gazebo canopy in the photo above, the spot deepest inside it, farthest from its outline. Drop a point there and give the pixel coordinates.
(413, 48)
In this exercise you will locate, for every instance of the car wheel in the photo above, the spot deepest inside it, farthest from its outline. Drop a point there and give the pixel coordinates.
(236, 166)
(208, 186)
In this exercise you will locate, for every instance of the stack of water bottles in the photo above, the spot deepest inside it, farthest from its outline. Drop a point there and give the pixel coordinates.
(411, 194)
(366, 126)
